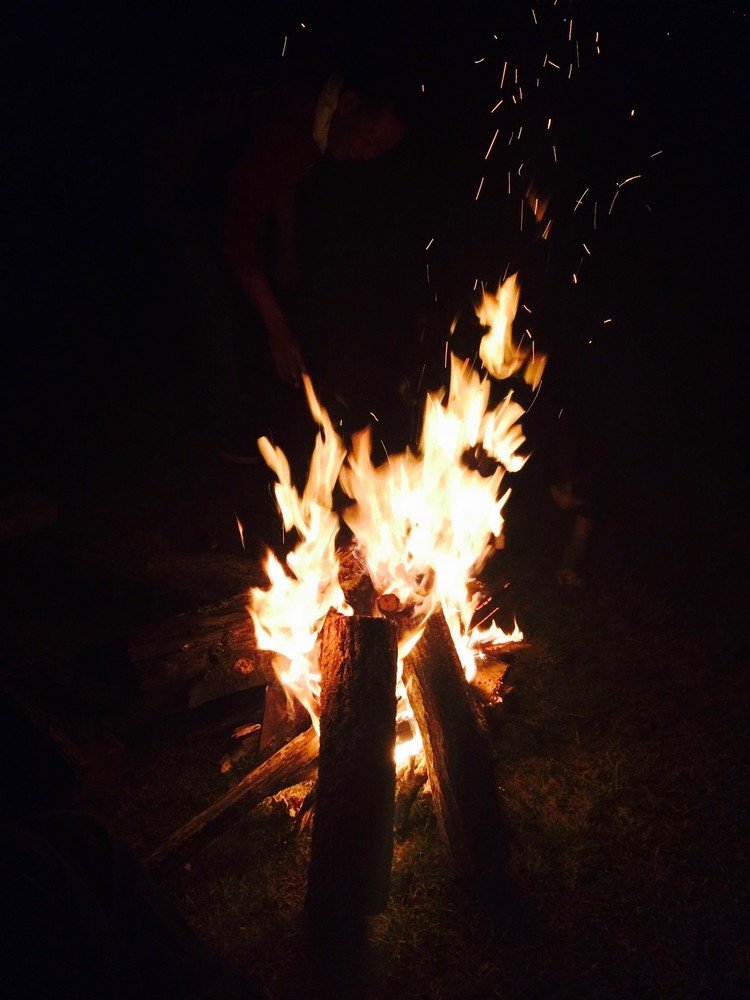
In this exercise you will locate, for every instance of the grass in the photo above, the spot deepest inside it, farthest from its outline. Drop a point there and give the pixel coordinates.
(619, 758)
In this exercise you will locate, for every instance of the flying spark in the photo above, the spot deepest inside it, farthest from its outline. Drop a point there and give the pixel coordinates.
(240, 529)
(489, 150)
(476, 196)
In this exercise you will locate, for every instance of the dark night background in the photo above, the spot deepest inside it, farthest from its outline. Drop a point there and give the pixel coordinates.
(97, 317)
(99, 385)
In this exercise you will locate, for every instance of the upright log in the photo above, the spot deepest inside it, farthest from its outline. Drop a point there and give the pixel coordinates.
(352, 839)
(458, 754)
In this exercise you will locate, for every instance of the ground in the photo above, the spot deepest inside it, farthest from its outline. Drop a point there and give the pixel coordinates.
(620, 746)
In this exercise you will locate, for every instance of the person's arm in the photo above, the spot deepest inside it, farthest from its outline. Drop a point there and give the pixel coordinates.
(260, 189)
(283, 345)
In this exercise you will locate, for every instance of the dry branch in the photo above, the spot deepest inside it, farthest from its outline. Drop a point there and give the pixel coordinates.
(352, 840)
(293, 763)
(458, 754)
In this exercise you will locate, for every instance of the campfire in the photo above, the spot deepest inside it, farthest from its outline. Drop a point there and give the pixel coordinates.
(374, 642)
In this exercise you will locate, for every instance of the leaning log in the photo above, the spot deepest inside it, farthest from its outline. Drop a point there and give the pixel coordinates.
(458, 754)
(352, 838)
(218, 641)
(293, 763)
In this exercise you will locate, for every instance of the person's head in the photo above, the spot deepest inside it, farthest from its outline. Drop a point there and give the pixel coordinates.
(364, 127)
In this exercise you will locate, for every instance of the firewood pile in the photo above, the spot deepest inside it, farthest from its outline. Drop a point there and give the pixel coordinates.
(360, 799)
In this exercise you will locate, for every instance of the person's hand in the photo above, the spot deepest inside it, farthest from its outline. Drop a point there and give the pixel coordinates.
(286, 352)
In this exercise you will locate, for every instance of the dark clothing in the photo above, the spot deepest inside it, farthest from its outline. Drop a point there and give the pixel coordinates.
(278, 153)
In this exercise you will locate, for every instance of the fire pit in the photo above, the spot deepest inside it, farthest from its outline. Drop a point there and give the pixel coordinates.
(379, 639)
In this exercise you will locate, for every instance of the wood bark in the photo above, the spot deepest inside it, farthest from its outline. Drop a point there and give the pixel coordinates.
(352, 839)
(458, 754)
(293, 763)
(170, 656)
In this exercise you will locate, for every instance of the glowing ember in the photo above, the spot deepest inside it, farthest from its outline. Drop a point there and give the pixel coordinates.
(424, 522)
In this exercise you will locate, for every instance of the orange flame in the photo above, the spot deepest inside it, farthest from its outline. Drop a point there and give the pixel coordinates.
(499, 355)
(425, 521)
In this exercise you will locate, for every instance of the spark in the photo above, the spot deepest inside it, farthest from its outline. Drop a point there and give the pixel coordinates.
(575, 279)
(374, 417)
(478, 61)
(545, 60)
(612, 203)
(533, 14)
(240, 529)
(520, 93)
(595, 205)
(578, 56)
(283, 48)
(549, 124)
(570, 71)
(502, 78)
(520, 168)
(496, 107)
(632, 112)
(428, 274)
(524, 306)
(570, 30)
(547, 228)
(607, 320)
(430, 243)
(560, 413)
(476, 196)
(553, 64)
(520, 130)
(554, 153)
(445, 356)
(657, 153)
(586, 249)
(515, 76)
(422, 85)
(580, 200)
(627, 180)
(489, 150)
(538, 389)
(302, 25)
(509, 182)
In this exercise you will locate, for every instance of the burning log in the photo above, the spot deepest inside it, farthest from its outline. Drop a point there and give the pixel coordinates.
(352, 840)
(293, 763)
(170, 656)
(458, 754)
